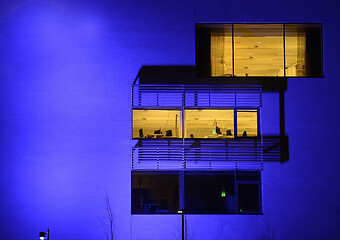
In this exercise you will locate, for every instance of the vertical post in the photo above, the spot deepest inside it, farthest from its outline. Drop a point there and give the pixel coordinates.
(181, 211)
(139, 97)
(181, 190)
(236, 193)
(233, 51)
(260, 124)
(235, 122)
(183, 129)
(284, 50)
(132, 93)
(282, 126)
(183, 227)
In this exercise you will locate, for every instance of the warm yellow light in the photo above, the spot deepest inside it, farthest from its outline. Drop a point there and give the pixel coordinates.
(247, 123)
(147, 122)
(202, 123)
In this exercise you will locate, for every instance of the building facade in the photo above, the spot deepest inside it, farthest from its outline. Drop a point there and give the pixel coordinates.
(67, 120)
(199, 143)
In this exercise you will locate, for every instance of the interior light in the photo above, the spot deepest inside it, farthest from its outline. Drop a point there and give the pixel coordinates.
(214, 131)
(223, 194)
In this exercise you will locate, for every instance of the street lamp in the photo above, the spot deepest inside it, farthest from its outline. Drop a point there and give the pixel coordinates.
(44, 235)
(181, 211)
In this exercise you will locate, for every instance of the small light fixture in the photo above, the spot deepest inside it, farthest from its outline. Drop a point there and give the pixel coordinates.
(223, 193)
(44, 235)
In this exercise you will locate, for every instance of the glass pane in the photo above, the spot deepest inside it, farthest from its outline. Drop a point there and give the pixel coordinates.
(156, 124)
(209, 123)
(258, 50)
(295, 50)
(303, 50)
(221, 51)
(246, 123)
(209, 192)
(154, 193)
(248, 197)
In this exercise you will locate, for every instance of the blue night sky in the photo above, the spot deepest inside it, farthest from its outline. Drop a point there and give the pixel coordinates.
(66, 70)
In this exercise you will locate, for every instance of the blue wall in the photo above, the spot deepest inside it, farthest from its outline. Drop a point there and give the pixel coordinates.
(66, 71)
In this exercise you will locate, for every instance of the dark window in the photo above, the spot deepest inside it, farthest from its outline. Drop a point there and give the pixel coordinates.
(248, 197)
(197, 192)
(248, 191)
(209, 193)
(154, 193)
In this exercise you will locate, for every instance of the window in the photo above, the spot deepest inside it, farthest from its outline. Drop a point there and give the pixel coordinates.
(156, 124)
(259, 50)
(221, 56)
(209, 192)
(198, 123)
(247, 123)
(154, 192)
(303, 44)
(196, 191)
(248, 185)
(209, 123)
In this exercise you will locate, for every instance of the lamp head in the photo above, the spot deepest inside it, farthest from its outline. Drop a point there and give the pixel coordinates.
(180, 211)
(42, 236)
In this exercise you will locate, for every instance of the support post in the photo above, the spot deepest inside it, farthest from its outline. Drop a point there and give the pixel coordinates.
(283, 140)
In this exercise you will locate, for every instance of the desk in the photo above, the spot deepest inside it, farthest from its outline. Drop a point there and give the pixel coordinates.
(154, 136)
(219, 136)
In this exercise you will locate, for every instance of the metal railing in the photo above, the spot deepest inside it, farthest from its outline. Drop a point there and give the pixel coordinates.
(196, 96)
(212, 154)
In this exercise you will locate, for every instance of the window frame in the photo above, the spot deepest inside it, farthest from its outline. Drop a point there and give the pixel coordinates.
(203, 67)
(181, 187)
(183, 125)
(148, 172)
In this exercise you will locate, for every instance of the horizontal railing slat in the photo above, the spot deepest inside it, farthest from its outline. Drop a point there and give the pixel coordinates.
(217, 154)
(196, 96)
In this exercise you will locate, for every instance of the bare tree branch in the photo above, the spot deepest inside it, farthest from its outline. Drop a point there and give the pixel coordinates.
(108, 221)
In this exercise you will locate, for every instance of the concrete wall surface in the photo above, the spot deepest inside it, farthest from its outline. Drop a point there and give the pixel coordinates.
(66, 69)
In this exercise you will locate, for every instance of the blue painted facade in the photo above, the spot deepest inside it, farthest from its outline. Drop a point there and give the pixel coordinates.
(66, 74)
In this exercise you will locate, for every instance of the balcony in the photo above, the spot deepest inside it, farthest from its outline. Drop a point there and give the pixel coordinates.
(151, 96)
(201, 127)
